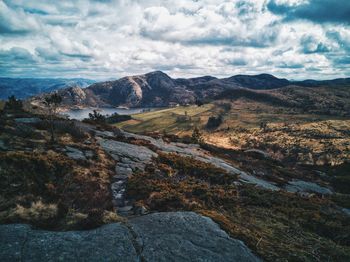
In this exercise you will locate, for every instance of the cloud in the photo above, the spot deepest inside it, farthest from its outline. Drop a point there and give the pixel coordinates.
(110, 39)
(310, 44)
(222, 24)
(318, 11)
(15, 21)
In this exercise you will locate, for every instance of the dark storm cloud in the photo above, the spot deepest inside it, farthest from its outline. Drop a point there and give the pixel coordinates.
(318, 11)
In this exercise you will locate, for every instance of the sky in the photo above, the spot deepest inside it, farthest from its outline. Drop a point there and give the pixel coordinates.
(294, 39)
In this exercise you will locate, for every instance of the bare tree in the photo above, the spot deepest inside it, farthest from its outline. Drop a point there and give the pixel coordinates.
(51, 102)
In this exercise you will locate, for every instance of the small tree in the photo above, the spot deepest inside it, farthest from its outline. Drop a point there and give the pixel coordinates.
(51, 102)
(197, 136)
(199, 102)
(214, 122)
(263, 126)
(13, 104)
(97, 117)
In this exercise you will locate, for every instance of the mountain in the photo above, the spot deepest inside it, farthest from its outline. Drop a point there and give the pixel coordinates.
(27, 87)
(157, 89)
(262, 81)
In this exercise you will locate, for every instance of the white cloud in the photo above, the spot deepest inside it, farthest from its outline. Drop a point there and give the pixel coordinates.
(103, 39)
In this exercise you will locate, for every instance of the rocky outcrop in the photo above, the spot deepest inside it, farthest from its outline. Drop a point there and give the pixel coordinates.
(202, 155)
(173, 236)
(307, 187)
(130, 158)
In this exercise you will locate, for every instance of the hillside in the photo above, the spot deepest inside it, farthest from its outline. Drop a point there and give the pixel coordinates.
(160, 197)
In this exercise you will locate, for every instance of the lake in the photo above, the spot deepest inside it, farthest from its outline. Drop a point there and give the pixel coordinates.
(80, 114)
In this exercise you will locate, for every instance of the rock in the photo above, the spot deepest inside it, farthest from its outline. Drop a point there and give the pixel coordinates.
(257, 153)
(346, 211)
(186, 236)
(140, 210)
(111, 242)
(28, 120)
(172, 236)
(75, 153)
(120, 170)
(2, 145)
(89, 154)
(303, 186)
(128, 153)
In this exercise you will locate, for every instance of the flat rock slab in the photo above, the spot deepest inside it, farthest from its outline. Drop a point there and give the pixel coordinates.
(172, 236)
(108, 243)
(28, 120)
(75, 153)
(186, 236)
(303, 186)
(129, 151)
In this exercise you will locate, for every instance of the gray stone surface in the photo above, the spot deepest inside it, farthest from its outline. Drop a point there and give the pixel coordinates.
(303, 186)
(130, 158)
(75, 153)
(28, 120)
(108, 243)
(173, 236)
(186, 236)
(2, 145)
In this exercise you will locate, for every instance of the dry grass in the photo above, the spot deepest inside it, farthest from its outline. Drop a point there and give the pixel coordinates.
(301, 137)
(36, 176)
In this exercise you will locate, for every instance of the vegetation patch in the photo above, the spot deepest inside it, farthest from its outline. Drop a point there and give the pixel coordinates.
(276, 225)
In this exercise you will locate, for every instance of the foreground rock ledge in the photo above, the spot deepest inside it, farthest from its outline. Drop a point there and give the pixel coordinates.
(173, 236)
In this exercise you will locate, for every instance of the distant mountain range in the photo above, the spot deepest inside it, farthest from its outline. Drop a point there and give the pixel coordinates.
(27, 87)
(157, 89)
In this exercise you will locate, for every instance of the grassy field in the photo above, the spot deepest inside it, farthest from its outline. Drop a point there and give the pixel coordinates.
(308, 138)
(172, 120)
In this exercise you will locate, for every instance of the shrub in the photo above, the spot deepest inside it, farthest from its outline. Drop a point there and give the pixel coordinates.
(13, 104)
(70, 127)
(225, 106)
(214, 122)
(94, 219)
(97, 117)
(116, 118)
(189, 166)
(38, 213)
(196, 137)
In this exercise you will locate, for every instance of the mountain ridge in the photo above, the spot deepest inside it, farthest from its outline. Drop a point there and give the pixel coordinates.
(157, 89)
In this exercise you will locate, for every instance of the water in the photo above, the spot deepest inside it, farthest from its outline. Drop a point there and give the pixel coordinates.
(80, 114)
